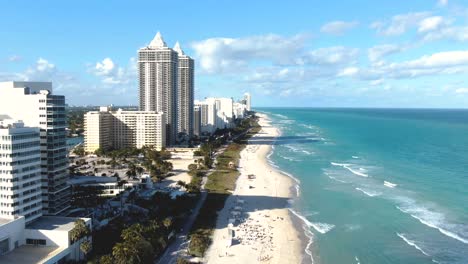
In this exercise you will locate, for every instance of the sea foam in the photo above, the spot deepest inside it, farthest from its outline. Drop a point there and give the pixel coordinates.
(412, 243)
(434, 220)
(368, 192)
(347, 166)
(322, 228)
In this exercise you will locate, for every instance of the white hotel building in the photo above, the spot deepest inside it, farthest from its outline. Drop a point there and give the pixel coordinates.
(25, 235)
(36, 106)
(185, 93)
(106, 129)
(157, 79)
(20, 170)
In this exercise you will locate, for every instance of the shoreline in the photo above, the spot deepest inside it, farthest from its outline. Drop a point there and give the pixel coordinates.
(265, 229)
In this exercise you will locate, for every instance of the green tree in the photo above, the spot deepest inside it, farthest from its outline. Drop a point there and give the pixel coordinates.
(79, 232)
(85, 247)
(133, 249)
(106, 259)
(79, 150)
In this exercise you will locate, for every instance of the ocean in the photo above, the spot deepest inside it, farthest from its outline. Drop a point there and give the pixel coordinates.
(377, 185)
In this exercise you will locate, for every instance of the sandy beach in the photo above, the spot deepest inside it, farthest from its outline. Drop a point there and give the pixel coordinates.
(263, 231)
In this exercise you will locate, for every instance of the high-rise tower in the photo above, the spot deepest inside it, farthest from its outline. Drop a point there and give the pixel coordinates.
(36, 105)
(20, 170)
(157, 68)
(185, 84)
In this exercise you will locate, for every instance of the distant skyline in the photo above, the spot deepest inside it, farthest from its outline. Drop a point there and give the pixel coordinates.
(296, 53)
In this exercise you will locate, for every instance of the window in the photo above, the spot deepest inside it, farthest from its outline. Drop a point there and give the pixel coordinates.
(36, 242)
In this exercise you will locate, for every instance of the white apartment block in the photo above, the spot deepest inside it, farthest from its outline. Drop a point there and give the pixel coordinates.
(207, 116)
(98, 127)
(216, 113)
(185, 93)
(224, 112)
(20, 171)
(239, 110)
(36, 106)
(157, 71)
(108, 129)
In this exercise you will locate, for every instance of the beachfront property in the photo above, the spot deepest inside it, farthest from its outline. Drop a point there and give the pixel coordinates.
(219, 113)
(26, 236)
(106, 129)
(46, 240)
(35, 104)
(157, 78)
(20, 170)
(185, 93)
(240, 109)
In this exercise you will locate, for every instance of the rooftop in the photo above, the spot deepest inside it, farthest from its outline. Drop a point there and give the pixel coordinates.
(56, 223)
(5, 221)
(91, 180)
(30, 254)
(158, 42)
(178, 49)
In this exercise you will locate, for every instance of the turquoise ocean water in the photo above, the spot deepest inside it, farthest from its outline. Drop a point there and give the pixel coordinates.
(342, 159)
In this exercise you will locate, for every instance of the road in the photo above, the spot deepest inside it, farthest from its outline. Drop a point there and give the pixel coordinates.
(180, 244)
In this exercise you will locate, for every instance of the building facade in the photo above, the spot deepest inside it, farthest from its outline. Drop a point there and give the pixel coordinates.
(157, 72)
(20, 171)
(185, 93)
(106, 129)
(248, 102)
(46, 240)
(197, 121)
(36, 106)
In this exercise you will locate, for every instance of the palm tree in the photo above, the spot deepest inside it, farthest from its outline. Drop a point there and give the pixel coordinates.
(85, 247)
(79, 232)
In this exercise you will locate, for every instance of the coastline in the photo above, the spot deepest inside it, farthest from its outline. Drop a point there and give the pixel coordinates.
(265, 229)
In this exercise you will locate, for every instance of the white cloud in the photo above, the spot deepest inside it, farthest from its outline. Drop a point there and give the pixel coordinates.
(377, 53)
(43, 65)
(348, 72)
(217, 55)
(461, 90)
(112, 74)
(338, 27)
(337, 55)
(430, 24)
(438, 60)
(459, 33)
(442, 2)
(442, 63)
(377, 82)
(399, 24)
(105, 67)
(14, 58)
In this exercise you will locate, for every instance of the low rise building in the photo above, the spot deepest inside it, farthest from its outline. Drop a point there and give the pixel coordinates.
(46, 240)
(109, 186)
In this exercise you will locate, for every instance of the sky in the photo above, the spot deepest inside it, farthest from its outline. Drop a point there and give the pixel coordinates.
(361, 53)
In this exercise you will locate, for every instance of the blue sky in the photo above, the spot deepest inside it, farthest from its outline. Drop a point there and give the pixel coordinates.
(285, 53)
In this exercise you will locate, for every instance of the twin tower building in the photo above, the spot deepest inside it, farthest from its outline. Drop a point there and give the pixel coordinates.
(166, 84)
(165, 117)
